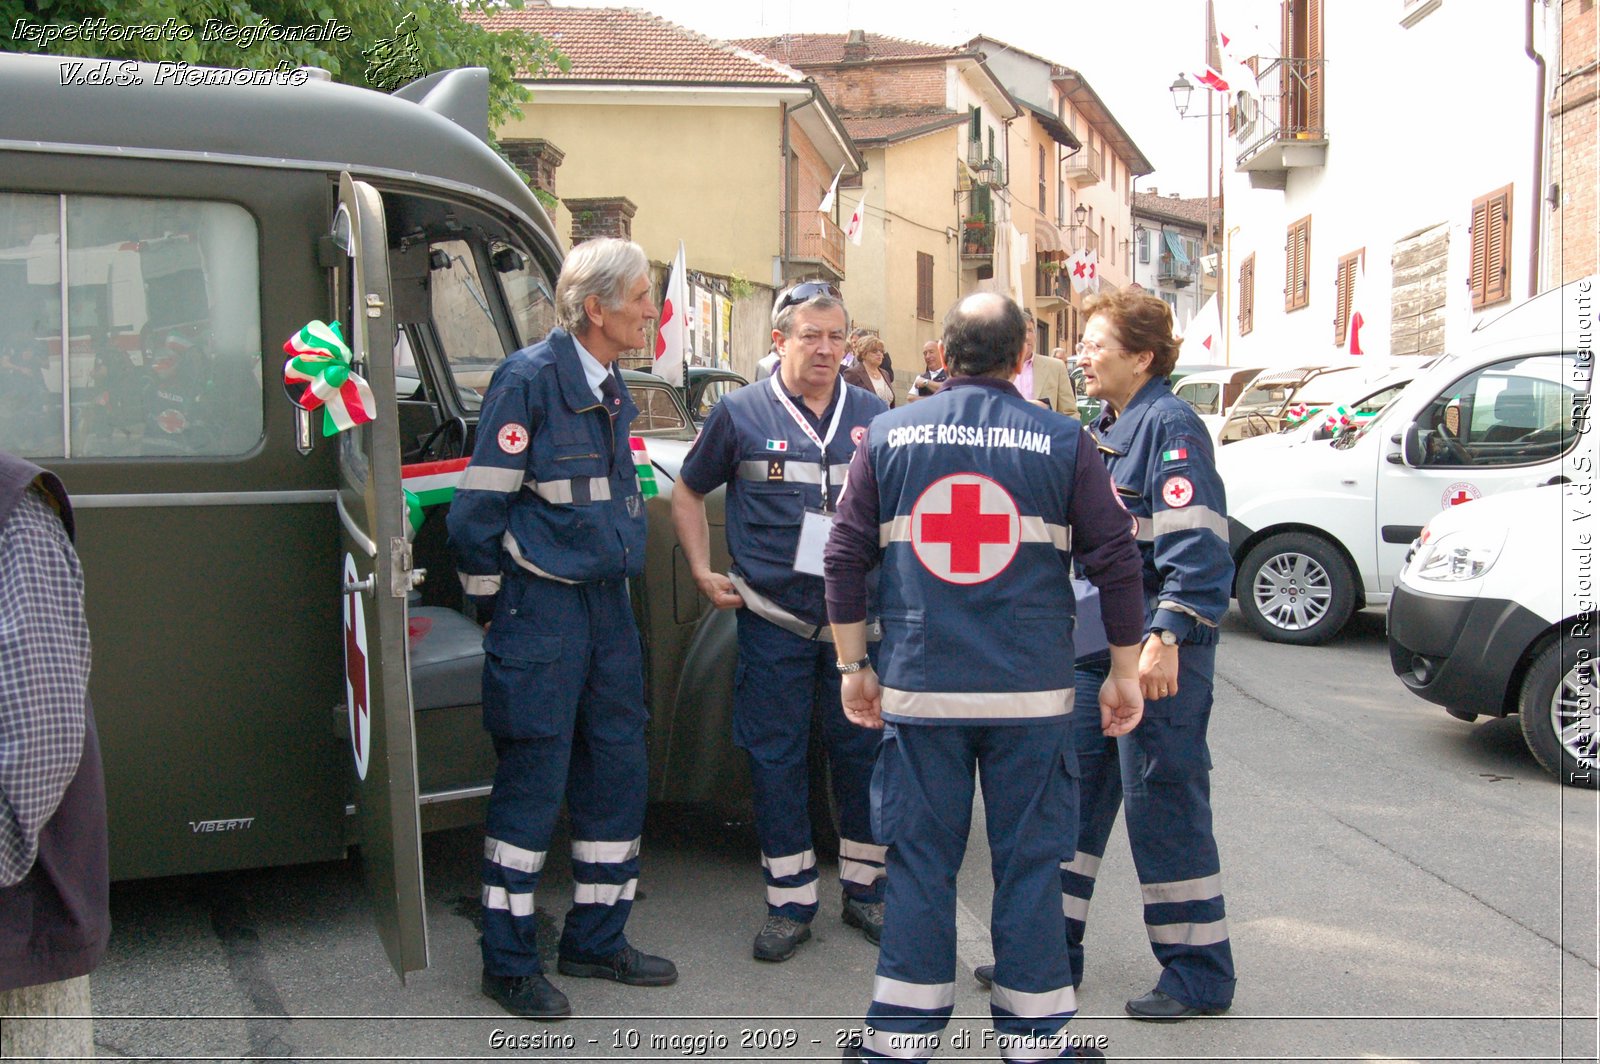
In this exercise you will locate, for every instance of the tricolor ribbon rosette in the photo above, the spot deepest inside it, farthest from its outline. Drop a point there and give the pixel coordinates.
(1297, 413)
(1337, 420)
(320, 360)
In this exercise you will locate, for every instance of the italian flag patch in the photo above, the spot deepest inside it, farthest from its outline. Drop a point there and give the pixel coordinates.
(1177, 454)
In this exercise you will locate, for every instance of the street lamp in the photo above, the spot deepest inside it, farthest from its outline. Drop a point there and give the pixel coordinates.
(1180, 90)
(1080, 212)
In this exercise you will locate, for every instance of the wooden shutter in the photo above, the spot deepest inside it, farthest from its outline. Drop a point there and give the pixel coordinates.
(1344, 282)
(1490, 274)
(1296, 262)
(1313, 65)
(924, 286)
(1043, 188)
(1247, 294)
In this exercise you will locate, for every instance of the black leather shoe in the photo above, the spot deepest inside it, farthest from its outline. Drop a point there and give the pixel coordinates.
(867, 915)
(1161, 1008)
(984, 973)
(527, 995)
(627, 965)
(779, 937)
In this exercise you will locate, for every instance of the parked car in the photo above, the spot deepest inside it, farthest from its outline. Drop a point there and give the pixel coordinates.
(1213, 392)
(1264, 407)
(1494, 614)
(1321, 530)
(707, 386)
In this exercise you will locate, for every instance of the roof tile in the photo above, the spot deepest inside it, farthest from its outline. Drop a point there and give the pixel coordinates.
(626, 44)
(804, 49)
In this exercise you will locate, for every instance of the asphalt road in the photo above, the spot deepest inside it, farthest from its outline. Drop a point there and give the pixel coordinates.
(1400, 885)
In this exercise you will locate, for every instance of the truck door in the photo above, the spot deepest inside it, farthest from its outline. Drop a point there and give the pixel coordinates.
(376, 579)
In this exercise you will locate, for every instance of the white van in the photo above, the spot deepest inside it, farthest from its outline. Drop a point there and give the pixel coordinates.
(1320, 531)
(1494, 614)
(1213, 392)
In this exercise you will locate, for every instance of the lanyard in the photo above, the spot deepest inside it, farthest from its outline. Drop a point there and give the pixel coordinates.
(811, 434)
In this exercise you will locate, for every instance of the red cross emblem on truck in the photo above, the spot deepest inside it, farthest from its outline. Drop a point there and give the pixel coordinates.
(965, 528)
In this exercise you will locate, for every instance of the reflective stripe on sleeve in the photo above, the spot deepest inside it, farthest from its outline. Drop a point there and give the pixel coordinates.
(1188, 934)
(977, 705)
(929, 996)
(1075, 908)
(605, 852)
(803, 895)
(1031, 530)
(491, 478)
(1036, 1006)
(603, 893)
(472, 584)
(509, 856)
(1185, 518)
(791, 865)
(506, 901)
(1202, 889)
(579, 491)
(509, 542)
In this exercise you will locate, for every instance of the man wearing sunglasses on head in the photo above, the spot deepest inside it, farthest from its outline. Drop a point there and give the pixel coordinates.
(782, 448)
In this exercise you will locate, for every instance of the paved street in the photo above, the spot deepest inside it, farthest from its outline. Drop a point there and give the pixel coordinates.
(1401, 886)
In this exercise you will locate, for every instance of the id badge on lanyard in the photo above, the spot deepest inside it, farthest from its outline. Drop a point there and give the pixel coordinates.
(814, 524)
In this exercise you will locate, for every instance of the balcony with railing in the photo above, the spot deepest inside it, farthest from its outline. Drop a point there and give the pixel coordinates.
(815, 242)
(977, 239)
(1170, 270)
(1285, 130)
(1084, 168)
(986, 169)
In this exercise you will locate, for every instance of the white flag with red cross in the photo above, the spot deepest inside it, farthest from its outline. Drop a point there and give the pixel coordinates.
(672, 331)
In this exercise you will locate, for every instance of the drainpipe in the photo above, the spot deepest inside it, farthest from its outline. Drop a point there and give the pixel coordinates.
(1538, 153)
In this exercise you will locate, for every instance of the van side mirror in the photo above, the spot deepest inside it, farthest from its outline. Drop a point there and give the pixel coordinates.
(1412, 452)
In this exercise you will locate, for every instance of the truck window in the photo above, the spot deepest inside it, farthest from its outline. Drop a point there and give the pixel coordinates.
(1515, 412)
(160, 306)
(527, 291)
(461, 315)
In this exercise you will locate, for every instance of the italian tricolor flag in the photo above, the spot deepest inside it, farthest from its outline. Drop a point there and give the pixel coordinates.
(1177, 454)
(641, 465)
(433, 482)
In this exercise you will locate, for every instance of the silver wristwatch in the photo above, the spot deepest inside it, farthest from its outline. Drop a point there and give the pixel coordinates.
(1168, 639)
(847, 667)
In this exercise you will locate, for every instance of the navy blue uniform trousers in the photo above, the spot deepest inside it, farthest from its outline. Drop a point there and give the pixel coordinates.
(568, 686)
(922, 801)
(1161, 772)
(783, 680)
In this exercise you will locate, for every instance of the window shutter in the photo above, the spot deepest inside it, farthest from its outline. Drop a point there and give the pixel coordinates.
(1313, 65)
(924, 286)
(1297, 259)
(1247, 294)
(1344, 288)
(1490, 272)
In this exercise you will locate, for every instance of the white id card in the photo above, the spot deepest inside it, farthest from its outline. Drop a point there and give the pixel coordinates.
(814, 528)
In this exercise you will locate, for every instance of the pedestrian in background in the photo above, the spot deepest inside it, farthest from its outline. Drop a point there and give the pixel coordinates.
(548, 526)
(1044, 380)
(868, 371)
(55, 913)
(967, 502)
(1160, 457)
(934, 373)
(782, 450)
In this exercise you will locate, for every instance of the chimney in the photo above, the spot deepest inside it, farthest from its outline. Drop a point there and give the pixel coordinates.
(1152, 191)
(855, 47)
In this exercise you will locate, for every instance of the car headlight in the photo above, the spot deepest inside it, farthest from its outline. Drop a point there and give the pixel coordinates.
(1464, 554)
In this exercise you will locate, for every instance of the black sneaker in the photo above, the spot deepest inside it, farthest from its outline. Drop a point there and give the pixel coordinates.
(779, 937)
(627, 965)
(984, 973)
(867, 915)
(531, 996)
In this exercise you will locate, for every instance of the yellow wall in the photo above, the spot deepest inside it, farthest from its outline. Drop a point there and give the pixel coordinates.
(917, 180)
(709, 176)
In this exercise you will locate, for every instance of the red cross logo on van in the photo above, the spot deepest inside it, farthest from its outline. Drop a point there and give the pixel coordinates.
(965, 528)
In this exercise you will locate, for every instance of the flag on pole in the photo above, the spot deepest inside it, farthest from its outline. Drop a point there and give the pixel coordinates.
(672, 331)
(1093, 261)
(1078, 271)
(857, 220)
(1357, 319)
(826, 206)
(1200, 335)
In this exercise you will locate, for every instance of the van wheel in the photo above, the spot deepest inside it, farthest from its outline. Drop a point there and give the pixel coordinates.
(1557, 710)
(1296, 588)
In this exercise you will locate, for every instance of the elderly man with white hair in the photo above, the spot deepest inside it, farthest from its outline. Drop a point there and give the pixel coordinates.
(548, 525)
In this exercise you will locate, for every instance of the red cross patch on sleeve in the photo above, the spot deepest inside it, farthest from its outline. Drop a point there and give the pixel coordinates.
(513, 438)
(1177, 492)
